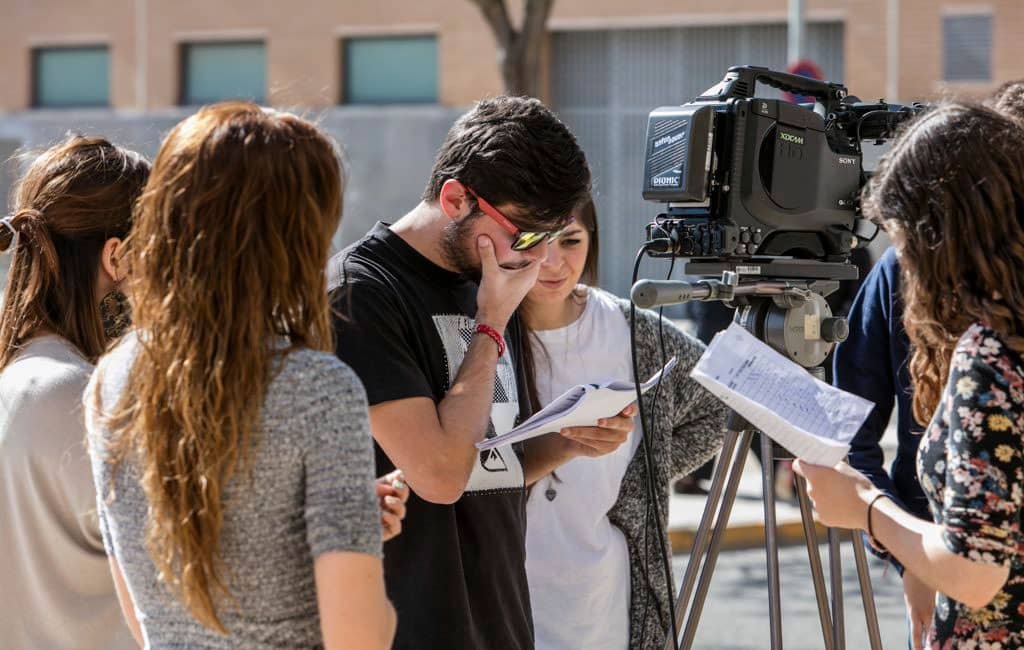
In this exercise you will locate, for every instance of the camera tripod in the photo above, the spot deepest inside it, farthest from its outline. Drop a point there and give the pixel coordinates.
(792, 316)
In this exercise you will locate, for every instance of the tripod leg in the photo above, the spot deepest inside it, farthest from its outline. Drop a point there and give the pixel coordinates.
(771, 542)
(836, 570)
(735, 473)
(817, 574)
(700, 543)
(867, 594)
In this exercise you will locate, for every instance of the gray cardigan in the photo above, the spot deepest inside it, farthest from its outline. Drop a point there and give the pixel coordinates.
(688, 430)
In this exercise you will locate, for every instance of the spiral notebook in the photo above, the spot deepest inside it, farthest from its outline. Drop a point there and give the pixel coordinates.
(580, 406)
(813, 420)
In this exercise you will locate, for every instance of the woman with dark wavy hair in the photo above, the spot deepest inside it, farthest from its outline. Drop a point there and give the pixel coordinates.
(73, 208)
(951, 196)
(231, 449)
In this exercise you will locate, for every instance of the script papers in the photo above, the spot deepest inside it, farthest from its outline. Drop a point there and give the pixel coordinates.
(580, 406)
(808, 417)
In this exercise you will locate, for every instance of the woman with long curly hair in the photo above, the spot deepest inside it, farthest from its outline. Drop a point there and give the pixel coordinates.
(951, 196)
(73, 208)
(231, 449)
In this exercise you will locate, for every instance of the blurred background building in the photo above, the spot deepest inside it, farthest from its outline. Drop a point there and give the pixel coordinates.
(387, 77)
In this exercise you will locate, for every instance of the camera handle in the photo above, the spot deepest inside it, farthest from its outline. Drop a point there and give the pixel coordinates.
(741, 81)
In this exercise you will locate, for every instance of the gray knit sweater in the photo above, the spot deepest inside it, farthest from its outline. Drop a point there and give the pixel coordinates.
(688, 428)
(309, 492)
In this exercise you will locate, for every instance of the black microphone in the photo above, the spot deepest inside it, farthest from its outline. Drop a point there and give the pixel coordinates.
(657, 293)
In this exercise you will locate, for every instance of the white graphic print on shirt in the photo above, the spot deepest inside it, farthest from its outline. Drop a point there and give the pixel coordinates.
(497, 469)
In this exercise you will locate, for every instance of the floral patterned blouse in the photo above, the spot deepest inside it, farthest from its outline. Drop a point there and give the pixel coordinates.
(971, 468)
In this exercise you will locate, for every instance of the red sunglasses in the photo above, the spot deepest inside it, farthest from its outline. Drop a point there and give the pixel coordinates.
(523, 240)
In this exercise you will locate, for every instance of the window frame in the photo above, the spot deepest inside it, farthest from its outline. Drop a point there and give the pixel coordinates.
(946, 54)
(184, 48)
(36, 54)
(344, 62)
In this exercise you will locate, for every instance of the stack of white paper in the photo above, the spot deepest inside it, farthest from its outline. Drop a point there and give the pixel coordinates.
(580, 406)
(808, 417)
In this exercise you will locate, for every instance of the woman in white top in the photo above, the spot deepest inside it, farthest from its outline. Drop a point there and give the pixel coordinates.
(73, 207)
(593, 556)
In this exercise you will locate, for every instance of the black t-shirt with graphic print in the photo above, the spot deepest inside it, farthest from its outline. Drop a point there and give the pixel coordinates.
(456, 573)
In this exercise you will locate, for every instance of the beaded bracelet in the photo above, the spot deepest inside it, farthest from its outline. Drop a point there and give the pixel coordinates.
(492, 333)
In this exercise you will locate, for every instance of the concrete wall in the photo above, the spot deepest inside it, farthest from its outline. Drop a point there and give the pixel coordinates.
(8, 147)
(389, 150)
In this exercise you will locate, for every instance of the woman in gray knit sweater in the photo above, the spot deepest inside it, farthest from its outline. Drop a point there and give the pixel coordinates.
(230, 447)
(593, 557)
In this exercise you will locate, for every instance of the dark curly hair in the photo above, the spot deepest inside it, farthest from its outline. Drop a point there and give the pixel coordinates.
(1008, 99)
(951, 195)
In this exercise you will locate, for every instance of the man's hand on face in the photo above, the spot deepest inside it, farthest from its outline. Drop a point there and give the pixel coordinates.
(501, 289)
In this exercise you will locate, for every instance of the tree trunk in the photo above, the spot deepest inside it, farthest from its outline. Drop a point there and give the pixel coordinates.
(518, 50)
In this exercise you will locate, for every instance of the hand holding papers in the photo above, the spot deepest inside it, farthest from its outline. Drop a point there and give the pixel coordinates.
(580, 406)
(805, 415)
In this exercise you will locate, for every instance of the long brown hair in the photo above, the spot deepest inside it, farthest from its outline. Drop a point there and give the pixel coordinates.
(73, 198)
(585, 217)
(227, 262)
(951, 195)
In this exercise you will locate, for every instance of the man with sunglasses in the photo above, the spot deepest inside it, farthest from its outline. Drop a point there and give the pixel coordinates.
(427, 319)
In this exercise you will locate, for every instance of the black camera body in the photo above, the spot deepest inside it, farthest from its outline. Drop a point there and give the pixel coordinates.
(745, 177)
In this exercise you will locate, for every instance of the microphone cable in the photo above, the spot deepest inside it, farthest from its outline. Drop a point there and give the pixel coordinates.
(647, 426)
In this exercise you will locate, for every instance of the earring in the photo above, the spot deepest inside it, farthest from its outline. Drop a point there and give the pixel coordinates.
(116, 314)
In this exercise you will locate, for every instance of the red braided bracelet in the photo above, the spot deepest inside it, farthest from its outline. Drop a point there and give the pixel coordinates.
(494, 336)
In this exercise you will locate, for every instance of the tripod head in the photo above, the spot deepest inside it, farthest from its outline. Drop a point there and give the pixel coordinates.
(781, 302)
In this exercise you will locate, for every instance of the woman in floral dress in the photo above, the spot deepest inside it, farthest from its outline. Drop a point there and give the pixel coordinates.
(951, 196)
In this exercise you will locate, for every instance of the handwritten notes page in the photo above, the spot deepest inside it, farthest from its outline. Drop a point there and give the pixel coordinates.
(808, 417)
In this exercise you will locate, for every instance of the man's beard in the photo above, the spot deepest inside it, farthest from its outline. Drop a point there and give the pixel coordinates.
(456, 240)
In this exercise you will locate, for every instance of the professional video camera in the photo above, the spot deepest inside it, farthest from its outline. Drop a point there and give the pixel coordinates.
(764, 194)
(746, 178)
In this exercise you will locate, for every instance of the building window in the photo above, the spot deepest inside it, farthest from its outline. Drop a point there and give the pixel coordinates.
(213, 72)
(71, 77)
(967, 48)
(390, 70)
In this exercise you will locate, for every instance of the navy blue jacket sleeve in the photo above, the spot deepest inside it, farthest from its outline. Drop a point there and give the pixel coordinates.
(862, 366)
(872, 363)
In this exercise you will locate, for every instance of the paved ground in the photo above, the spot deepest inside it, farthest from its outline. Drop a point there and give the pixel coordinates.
(736, 611)
(746, 521)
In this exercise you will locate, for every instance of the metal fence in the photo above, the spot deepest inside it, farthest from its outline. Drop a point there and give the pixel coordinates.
(606, 82)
